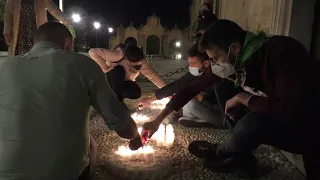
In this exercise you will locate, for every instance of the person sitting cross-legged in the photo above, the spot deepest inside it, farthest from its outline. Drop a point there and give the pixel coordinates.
(201, 111)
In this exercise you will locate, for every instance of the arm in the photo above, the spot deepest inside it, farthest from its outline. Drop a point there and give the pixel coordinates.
(116, 79)
(105, 57)
(106, 103)
(8, 19)
(289, 92)
(55, 11)
(154, 77)
(184, 96)
(175, 86)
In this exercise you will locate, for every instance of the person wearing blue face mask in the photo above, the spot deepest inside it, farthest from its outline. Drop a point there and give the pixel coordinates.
(121, 78)
(202, 110)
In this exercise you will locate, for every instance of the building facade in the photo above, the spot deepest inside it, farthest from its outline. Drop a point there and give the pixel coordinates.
(154, 38)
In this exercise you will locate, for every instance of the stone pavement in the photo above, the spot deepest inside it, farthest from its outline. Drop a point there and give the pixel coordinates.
(184, 165)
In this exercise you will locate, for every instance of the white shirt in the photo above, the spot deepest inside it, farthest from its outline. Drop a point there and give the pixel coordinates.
(45, 98)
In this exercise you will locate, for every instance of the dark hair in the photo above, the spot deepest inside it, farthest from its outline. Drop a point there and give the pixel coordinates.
(208, 5)
(54, 32)
(131, 41)
(221, 33)
(134, 54)
(194, 52)
(121, 46)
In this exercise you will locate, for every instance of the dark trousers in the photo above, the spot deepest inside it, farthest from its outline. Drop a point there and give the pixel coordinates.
(131, 90)
(86, 174)
(254, 129)
(225, 90)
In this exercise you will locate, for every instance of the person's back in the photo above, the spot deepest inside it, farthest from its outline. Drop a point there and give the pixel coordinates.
(46, 104)
(45, 98)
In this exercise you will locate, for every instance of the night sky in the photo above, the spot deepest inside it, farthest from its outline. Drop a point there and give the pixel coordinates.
(116, 12)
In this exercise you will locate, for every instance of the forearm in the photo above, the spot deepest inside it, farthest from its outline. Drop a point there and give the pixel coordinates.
(164, 113)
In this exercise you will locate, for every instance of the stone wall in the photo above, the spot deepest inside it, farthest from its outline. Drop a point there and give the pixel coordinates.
(252, 15)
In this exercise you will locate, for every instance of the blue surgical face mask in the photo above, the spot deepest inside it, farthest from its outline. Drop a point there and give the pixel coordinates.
(195, 71)
(137, 67)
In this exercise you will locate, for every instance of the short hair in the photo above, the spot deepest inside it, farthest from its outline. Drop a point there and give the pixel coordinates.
(54, 32)
(208, 5)
(134, 54)
(131, 41)
(194, 52)
(221, 33)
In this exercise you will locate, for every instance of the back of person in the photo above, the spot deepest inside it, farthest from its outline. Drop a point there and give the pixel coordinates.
(43, 104)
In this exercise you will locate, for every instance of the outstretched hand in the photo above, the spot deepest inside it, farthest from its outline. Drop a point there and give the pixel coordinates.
(135, 143)
(145, 102)
(148, 129)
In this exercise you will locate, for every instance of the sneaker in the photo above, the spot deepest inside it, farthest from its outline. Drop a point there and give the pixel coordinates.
(189, 122)
(244, 166)
(201, 149)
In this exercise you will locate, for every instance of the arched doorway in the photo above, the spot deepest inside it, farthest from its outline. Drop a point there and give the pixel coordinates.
(131, 40)
(153, 45)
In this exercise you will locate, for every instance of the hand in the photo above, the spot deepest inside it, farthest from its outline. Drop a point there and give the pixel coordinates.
(148, 129)
(135, 143)
(8, 39)
(231, 105)
(145, 102)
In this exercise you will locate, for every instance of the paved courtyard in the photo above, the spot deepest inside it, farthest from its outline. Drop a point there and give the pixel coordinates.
(184, 165)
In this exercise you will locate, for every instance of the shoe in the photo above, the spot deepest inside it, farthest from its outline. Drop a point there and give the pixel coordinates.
(244, 165)
(201, 149)
(196, 123)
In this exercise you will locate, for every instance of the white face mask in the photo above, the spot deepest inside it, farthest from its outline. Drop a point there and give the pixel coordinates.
(224, 69)
(195, 71)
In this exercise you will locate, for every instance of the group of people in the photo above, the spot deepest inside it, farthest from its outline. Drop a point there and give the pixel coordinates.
(264, 89)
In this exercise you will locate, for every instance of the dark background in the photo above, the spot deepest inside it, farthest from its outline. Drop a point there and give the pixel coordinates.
(112, 13)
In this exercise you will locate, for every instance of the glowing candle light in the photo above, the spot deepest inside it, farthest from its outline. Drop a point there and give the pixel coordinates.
(169, 136)
(143, 154)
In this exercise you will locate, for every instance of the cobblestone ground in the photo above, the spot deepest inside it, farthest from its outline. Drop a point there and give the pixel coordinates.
(184, 165)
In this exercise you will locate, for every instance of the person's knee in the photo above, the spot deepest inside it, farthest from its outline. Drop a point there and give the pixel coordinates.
(253, 123)
(132, 90)
(189, 107)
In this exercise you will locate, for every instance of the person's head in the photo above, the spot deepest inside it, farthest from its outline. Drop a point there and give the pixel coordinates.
(131, 42)
(223, 41)
(55, 33)
(206, 7)
(134, 56)
(198, 61)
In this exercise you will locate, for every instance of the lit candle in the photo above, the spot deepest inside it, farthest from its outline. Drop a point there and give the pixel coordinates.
(143, 154)
(148, 154)
(161, 135)
(169, 136)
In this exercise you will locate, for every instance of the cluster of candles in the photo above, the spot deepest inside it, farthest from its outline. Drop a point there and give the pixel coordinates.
(145, 153)
(139, 118)
(159, 104)
(164, 136)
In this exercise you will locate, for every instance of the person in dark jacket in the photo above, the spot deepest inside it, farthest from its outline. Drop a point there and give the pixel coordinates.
(205, 18)
(201, 110)
(280, 82)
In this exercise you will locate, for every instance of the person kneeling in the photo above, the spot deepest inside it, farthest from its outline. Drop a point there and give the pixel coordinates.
(121, 78)
(201, 110)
